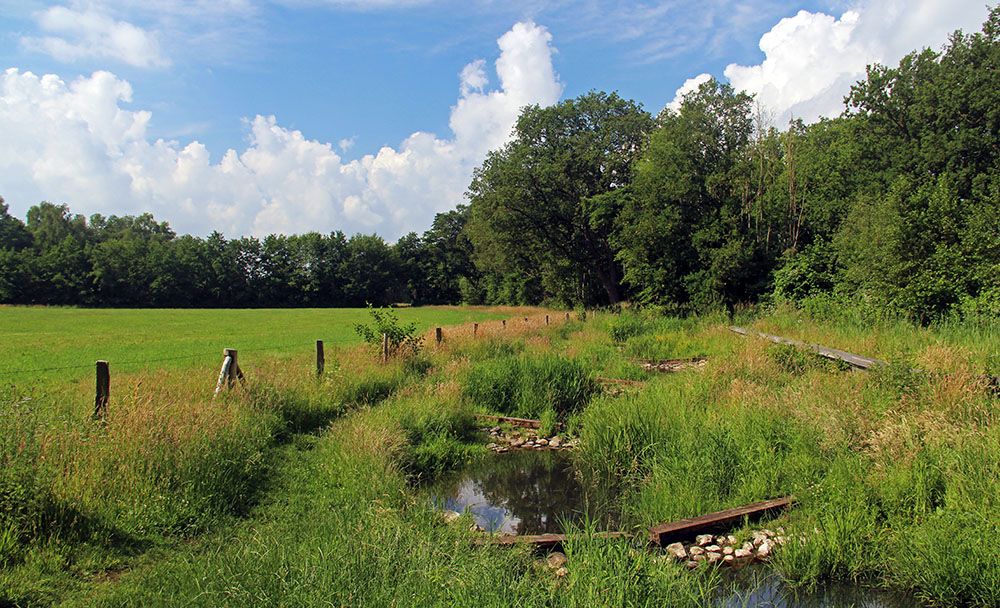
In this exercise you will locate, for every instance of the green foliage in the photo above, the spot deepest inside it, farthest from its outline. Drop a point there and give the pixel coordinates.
(625, 326)
(404, 341)
(437, 438)
(543, 206)
(527, 386)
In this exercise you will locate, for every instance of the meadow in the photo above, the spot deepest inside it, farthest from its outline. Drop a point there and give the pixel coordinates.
(298, 491)
(70, 339)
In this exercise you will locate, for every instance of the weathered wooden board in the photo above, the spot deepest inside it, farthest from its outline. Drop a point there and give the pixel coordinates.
(830, 353)
(521, 422)
(542, 541)
(622, 381)
(667, 533)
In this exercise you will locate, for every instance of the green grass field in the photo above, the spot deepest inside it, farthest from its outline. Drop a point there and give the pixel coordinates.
(71, 339)
(298, 491)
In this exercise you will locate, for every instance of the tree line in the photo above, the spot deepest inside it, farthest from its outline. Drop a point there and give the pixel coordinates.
(57, 257)
(892, 206)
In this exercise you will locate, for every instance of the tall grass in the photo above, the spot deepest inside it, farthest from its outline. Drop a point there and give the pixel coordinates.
(527, 386)
(169, 462)
(892, 469)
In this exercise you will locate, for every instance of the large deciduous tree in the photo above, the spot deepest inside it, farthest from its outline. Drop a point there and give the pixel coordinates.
(540, 204)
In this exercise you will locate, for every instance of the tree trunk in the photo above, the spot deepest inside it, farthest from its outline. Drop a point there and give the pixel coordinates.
(608, 275)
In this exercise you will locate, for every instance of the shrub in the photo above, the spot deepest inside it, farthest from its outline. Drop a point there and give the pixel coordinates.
(403, 339)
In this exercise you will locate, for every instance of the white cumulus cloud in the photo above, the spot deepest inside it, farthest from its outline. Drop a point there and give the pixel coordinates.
(74, 143)
(691, 84)
(812, 59)
(75, 34)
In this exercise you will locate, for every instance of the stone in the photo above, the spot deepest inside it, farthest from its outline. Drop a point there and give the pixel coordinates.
(703, 540)
(727, 551)
(758, 538)
(491, 446)
(764, 550)
(713, 557)
(556, 560)
(713, 549)
(503, 450)
(450, 517)
(517, 442)
(768, 533)
(555, 442)
(698, 558)
(696, 550)
(743, 554)
(691, 565)
(748, 547)
(476, 528)
(562, 572)
(731, 540)
(728, 560)
(542, 442)
(677, 551)
(720, 540)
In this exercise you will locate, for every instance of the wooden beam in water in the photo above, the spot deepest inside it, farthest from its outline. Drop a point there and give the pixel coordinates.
(830, 353)
(521, 422)
(542, 541)
(664, 534)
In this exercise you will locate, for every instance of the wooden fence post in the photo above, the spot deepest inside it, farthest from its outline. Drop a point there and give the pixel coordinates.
(475, 329)
(385, 348)
(320, 358)
(567, 316)
(438, 335)
(504, 321)
(103, 392)
(546, 319)
(234, 367)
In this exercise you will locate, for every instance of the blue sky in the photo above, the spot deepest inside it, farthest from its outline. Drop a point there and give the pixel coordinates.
(319, 100)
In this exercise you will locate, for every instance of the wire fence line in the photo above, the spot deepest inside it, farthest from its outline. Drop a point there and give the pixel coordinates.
(288, 347)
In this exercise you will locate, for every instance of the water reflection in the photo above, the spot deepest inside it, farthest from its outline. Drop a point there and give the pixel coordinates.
(758, 587)
(524, 492)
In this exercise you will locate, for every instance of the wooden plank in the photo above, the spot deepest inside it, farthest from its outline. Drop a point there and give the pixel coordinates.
(622, 381)
(830, 353)
(542, 541)
(667, 533)
(522, 422)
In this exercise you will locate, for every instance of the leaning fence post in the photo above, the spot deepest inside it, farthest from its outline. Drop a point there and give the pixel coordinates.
(103, 391)
(320, 358)
(438, 335)
(385, 348)
(475, 329)
(227, 364)
(504, 321)
(546, 319)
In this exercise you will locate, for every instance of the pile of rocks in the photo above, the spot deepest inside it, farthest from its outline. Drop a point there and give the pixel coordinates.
(525, 440)
(725, 551)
